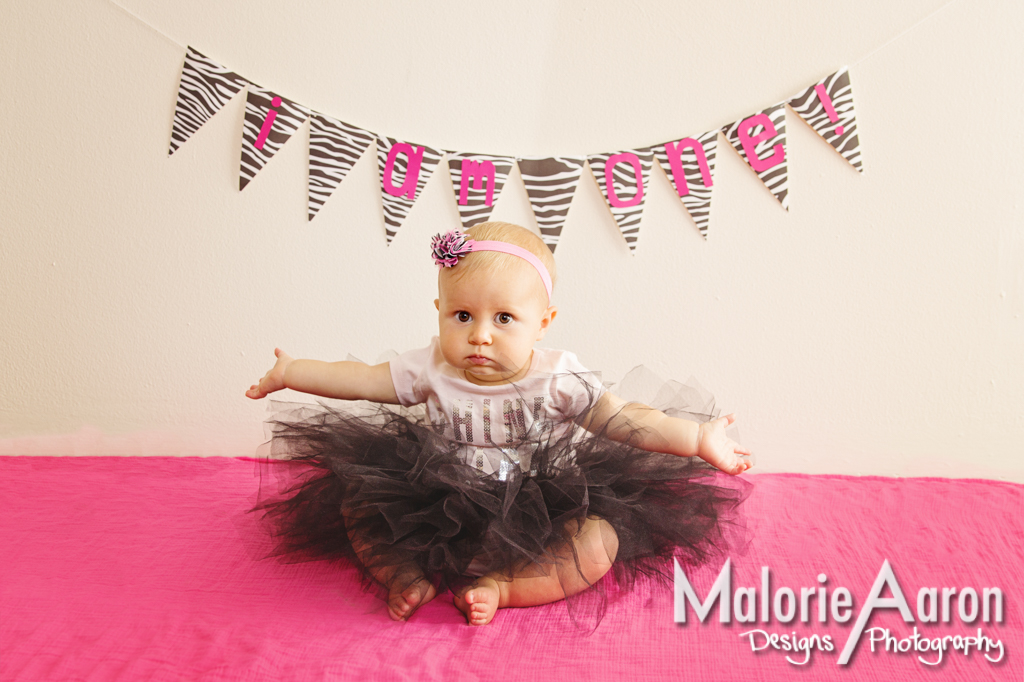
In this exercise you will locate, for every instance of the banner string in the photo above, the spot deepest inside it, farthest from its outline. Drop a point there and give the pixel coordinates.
(854, 63)
(142, 21)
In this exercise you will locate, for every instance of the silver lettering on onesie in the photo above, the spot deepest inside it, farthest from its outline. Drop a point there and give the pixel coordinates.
(538, 407)
(509, 463)
(515, 421)
(458, 421)
(487, 420)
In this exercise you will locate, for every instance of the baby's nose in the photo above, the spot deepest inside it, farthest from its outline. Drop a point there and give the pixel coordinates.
(479, 335)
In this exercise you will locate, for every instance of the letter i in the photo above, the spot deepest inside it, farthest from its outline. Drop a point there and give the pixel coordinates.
(826, 102)
(268, 122)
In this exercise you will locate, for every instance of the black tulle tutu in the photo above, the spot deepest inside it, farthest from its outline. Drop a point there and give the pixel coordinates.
(381, 487)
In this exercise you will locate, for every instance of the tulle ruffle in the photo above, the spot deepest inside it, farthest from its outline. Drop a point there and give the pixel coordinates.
(379, 486)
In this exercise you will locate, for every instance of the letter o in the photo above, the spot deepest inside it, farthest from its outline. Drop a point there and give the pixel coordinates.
(777, 603)
(609, 179)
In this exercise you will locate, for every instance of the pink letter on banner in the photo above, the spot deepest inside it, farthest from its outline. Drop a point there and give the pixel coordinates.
(479, 170)
(675, 151)
(609, 183)
(261, 139)
(750, 143)
(412, 173)
(826, 102)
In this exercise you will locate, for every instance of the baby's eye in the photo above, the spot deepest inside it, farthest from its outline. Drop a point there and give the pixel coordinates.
(463, 316)
(504, 318)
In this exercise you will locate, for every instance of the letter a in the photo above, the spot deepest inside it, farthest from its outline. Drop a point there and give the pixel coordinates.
(896, 601)
(412, 172)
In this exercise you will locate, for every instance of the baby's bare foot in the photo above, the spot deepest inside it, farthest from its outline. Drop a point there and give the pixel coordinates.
(479, 601)
(402, 604)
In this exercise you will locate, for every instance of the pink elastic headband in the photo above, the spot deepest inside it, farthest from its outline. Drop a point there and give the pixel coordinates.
(449, 247)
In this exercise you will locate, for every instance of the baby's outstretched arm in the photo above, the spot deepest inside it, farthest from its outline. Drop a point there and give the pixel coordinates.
(653, 430)
(344, 380)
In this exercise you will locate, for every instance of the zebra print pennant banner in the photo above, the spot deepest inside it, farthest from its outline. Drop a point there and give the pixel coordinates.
(270, 120)
(334, 147)
(404, 170)
(690, 165)
(761, 140)
(622, 177)
(550, 184)
(205, 87)
(828, 108)
(477, 180)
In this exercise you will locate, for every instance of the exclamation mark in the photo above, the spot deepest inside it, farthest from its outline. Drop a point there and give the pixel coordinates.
(268, 122)
(826, 102)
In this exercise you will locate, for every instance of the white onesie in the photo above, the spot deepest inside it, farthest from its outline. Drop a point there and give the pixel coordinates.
(492, 420)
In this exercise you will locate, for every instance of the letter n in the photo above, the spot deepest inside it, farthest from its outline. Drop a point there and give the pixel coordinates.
(675, 153)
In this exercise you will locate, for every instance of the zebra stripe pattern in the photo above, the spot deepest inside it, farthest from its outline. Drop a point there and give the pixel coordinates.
(205, 88)
(775, 177)
(550, 184)
(258, 104)
(624, 197)
(397, 207)
(696, 197)
(809, 106)
(334, 147)
(481, 184)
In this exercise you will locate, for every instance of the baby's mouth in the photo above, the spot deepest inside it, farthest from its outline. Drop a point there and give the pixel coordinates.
(478, 359)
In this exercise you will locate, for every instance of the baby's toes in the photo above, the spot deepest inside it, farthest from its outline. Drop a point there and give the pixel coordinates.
(480, 603)
(479, 614)
(398, 608)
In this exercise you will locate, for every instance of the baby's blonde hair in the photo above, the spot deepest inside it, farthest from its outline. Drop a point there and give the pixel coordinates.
(502, 262)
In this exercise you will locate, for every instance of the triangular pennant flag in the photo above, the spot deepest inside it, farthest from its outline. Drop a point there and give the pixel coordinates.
(622, 177)
(404, 170)
(761, 140)
(477, 180)
(205, 87)
(270, 120)
(334, 147)
(828, 108)
(690, 165)
(550, 184)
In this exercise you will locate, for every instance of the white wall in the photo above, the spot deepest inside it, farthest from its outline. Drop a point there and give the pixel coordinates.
(876, 328)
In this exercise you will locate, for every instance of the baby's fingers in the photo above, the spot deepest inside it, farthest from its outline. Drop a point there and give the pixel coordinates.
(255, 392)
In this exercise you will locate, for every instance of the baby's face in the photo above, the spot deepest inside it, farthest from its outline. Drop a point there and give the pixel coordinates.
(488, 322)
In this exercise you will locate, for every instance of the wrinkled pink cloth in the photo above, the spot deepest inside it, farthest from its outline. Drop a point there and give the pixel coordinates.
(146, 568)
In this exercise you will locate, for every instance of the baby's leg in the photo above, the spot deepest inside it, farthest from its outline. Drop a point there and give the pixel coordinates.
(596, 546)
(407, 587)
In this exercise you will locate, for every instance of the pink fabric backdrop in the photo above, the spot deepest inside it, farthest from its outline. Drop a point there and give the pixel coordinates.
(126, 568)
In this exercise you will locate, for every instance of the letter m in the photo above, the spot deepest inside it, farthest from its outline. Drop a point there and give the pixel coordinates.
(720, 590)
(478, 171)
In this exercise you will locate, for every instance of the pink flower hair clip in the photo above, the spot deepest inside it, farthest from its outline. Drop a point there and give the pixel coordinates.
(449, 247)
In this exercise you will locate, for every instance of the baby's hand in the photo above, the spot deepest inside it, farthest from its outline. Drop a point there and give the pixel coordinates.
(272, 380)
(718, 450)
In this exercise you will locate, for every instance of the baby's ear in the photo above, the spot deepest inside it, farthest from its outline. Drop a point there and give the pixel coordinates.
(545, 322)
(437, 304)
